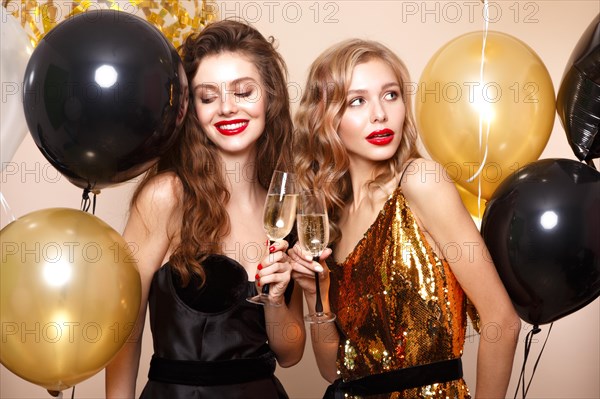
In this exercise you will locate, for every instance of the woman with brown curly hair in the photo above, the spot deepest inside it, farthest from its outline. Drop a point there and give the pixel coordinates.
(196, 221)
(400, 297)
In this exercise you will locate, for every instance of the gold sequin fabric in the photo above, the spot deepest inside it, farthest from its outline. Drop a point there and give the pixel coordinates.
(398, 304)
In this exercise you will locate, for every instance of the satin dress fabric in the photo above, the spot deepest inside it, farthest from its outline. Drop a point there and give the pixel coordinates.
(212, 324)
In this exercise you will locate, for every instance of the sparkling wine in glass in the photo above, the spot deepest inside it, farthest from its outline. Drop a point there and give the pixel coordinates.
(313, 236)
(278, 216)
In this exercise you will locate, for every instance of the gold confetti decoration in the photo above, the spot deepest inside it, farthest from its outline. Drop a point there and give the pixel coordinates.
(172, 18)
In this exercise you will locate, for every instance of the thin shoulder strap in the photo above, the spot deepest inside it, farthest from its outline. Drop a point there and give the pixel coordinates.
(404, 171)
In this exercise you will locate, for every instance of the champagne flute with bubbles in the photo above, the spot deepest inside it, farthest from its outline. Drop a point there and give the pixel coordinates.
(313, 236)
(278, 216)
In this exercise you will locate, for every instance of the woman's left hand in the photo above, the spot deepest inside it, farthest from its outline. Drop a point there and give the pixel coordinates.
(275, 270)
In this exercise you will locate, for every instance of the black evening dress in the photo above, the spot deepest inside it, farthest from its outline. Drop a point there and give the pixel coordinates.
(209, 343)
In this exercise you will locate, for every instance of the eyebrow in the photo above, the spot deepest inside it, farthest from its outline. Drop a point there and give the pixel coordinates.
(384, 87)
(211, 85)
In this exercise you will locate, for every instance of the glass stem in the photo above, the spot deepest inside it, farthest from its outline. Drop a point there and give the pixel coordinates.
(265, 288)
(318, 304)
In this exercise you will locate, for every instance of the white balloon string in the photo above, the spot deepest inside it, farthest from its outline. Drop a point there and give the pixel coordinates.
(482, 109)
(6, 209)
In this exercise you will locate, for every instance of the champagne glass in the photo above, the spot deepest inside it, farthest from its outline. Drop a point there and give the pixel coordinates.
(313, 236)
(278, 216)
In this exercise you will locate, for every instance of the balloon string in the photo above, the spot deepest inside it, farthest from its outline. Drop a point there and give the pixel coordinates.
(538, 359)
(6, 208)
(528, 341)
(86, 202)
(482, 110)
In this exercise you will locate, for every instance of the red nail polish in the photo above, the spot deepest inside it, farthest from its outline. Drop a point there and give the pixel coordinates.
(258, 283)
(257, 276)
(272, 248)
(267, 242)
(259, 267)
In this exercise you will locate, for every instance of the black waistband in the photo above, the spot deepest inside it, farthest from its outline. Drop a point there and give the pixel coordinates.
(226, 372)
(397, 380)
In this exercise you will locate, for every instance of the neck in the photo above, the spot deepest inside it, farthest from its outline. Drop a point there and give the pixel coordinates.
(362, 172)
(240, 175)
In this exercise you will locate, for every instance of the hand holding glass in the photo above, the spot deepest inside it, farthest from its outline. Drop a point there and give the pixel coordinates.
(278, 217)
(313, 236)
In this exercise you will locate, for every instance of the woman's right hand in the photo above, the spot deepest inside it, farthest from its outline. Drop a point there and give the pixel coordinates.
(304, 268)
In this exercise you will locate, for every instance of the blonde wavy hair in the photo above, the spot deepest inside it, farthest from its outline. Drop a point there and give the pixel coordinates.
(320, 158)
(195, 159)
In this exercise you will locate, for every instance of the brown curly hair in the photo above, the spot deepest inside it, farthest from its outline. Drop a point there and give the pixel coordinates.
(194, 158)
(320, 158)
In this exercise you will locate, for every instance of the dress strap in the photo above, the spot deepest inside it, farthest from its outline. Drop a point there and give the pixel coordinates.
(404, 171)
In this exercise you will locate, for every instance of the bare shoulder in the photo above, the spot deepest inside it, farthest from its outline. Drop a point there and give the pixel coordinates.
(161, 193)
(434, 199)
(425, 178)
(156, 207)
(154, 221)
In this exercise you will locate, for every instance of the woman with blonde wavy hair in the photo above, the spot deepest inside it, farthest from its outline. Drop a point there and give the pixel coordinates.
(399, 295)
(196, 222)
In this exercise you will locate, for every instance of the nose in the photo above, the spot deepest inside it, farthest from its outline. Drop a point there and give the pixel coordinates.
(228, 103)
(378, 113)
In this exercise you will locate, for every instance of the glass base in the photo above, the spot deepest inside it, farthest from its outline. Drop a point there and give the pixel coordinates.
(261, 299)
(319, 318)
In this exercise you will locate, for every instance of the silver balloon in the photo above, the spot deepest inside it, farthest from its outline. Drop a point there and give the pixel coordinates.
(16, 50)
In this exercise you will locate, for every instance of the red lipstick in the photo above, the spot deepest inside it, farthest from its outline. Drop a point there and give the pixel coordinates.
(232, 127)
(381, 137)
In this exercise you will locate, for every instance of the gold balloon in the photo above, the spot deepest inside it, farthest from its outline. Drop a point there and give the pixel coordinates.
(175, 19)
(515, 99)
(69, 296)
(474, 204)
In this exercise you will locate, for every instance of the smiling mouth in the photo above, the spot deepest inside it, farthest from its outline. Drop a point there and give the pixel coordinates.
(230, 128)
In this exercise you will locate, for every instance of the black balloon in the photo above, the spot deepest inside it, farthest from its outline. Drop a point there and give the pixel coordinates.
(578, 99)
(103, 96)
(542, 228)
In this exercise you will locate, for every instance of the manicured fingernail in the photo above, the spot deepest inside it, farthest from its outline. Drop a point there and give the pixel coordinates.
(258, 283)
(257, 276)
(308, 257)
(267, 242)
(272, 248)
(319, 268)
(259, 267)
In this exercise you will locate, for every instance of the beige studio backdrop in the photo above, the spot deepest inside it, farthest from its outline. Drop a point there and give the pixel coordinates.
(570, 365)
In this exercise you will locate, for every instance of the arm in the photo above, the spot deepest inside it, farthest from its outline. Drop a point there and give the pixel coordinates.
(148, 230)
(285, 326)
(324, 337)
(440, 212)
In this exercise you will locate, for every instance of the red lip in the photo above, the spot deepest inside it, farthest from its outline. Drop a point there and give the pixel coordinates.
(381, 137)
(232, 127)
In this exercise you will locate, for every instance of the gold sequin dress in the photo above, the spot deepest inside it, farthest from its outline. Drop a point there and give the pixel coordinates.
(398, 304)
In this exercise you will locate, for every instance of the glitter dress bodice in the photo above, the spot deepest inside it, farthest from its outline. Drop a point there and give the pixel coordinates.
(398, 304)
